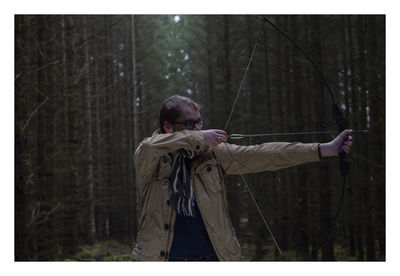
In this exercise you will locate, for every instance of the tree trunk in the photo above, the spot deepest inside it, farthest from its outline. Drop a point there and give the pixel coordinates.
(89, 138)
(135, 117)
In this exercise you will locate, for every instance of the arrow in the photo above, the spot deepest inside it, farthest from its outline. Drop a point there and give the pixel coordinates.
(235, 136)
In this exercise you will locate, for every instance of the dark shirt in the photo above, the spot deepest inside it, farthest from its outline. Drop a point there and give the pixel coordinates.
(190, 237)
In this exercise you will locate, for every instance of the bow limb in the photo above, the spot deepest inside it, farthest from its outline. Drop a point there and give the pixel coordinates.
(337, 115)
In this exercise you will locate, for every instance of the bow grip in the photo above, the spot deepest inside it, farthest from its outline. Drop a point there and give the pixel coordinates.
(344, 164)
(337, 114)
(341, 149)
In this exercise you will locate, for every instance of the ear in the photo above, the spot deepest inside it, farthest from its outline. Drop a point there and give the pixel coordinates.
(168, 127)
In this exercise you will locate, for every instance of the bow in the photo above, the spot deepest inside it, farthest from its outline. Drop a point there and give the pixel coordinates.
(337, 115)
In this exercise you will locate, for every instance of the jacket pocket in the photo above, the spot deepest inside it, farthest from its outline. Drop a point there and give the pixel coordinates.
(209, 174)
(164, 168)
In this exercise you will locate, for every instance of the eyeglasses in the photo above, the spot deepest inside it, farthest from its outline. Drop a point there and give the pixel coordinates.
(190, 124)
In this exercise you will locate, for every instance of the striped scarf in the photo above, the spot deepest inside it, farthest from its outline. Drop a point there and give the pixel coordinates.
(182, 197)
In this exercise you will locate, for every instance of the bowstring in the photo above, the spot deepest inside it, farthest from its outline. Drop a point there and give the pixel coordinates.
(244, 76)
(235, 161)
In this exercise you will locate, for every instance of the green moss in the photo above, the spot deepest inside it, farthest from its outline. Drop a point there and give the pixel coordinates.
(109, 250)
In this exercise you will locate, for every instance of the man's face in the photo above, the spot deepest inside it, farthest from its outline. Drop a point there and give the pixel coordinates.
(187, 114)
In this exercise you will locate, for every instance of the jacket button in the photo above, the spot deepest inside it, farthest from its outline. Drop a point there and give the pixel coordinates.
(197, 147)
(164, 159)
(162, 253)
(166, 226)
(209, 169)
(168, 202)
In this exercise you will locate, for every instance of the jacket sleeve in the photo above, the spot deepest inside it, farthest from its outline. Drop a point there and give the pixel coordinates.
(149, 151)
(264, 157)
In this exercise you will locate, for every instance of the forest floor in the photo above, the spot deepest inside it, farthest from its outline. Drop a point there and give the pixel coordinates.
(109, 250)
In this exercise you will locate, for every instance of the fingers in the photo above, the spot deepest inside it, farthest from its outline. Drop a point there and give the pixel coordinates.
(214, 137)
(347, 144)
(345, 133)
(346, 139)
(221, 135)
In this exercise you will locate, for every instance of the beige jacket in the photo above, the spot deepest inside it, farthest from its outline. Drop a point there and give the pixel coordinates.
(153, 166)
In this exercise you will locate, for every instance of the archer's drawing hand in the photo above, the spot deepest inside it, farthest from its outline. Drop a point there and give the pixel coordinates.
(332, 148)
(214, 137)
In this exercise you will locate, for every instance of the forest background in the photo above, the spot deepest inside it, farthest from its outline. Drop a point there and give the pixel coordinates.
(88, 90)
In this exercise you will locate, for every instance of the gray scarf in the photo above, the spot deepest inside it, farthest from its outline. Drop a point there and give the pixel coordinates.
(182, 196)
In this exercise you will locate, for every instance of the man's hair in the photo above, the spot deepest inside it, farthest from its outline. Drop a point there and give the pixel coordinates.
(171, 109)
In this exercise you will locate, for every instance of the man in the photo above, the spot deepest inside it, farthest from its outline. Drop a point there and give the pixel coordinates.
(181, 167)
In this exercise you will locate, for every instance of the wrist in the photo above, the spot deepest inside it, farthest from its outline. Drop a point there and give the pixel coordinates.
(325, 150)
